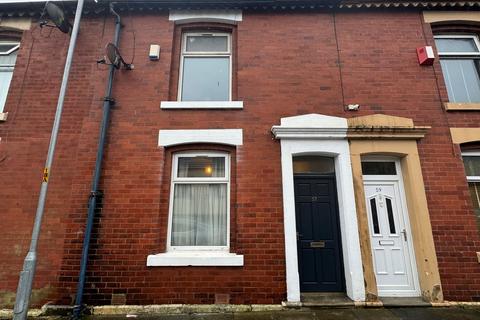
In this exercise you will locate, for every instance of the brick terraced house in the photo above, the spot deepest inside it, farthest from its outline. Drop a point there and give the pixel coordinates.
(273, 149)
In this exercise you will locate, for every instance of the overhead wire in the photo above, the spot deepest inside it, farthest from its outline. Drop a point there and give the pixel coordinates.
(339, 62)
(132, 31)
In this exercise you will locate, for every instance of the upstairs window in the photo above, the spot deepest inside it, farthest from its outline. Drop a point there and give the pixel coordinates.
(205, 67)
(8, 56)
(460, 58)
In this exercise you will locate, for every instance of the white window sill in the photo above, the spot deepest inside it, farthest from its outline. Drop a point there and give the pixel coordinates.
(456, 106)
(199, 259)
(201, 105)
(3, 116)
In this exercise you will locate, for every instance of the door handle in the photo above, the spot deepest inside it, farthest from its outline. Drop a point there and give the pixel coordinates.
(404, 234)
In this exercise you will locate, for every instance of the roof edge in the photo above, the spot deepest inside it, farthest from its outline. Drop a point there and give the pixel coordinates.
(34, 8)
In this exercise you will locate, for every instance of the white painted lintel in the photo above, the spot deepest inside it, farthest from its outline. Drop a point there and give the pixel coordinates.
(190, 16)
(233, 137)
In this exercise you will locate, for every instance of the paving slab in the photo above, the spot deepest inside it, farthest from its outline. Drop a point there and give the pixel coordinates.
(436, 313)
(261, 315)
(335, 314)
(374, 314)
(293, 315)
(210, 316)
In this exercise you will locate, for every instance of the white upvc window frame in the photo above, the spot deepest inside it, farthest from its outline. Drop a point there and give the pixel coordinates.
(472, 179)
(184, 54)
(459, 54)
(471, 154)
(7, 68)
(15, 47)
(198, 180)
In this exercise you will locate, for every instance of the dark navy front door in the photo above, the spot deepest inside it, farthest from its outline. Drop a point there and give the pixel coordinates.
(318, 238)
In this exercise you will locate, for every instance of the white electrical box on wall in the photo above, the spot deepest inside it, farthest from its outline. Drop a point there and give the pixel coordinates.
(154, 53)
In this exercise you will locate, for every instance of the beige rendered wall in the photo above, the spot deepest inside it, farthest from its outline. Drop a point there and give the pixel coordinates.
(406, 150)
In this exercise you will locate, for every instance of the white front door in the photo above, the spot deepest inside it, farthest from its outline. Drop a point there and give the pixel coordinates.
(390, 236)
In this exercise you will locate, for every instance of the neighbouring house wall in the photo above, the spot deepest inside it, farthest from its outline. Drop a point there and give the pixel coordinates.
(287, 64)
(24, 141)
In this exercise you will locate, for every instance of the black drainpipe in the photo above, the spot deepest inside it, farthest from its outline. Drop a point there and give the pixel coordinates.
(95, 194)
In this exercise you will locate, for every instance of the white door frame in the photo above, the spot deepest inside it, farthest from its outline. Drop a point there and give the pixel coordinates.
(404, 215)
(315, 134)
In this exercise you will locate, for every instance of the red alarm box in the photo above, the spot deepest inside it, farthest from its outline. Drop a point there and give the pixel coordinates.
(425, 55)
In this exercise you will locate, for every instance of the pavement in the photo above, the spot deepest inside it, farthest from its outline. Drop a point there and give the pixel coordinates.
(421, 313)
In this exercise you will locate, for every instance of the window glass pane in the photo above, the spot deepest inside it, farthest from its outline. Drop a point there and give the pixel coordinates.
(456, 45)
(206, 79)
(462, 80)
(6, 77)
(8, 60)
(373, 207)
(313, 164)
(474, 188)
(391, 220)
(201, 167)
(379, 168)
(472, 165)
(207, 43)
(199, 216)
(6, 47)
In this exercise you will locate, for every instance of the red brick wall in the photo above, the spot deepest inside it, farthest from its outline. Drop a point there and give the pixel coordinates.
(287, 64)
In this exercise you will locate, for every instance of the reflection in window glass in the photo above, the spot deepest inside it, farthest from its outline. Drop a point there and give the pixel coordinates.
(472, 165)
(379, 168)
(201, 167)
(455, 45)
(474, 188)
(207, 43)
(313, 165)
(6, 47)
(206, 79)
